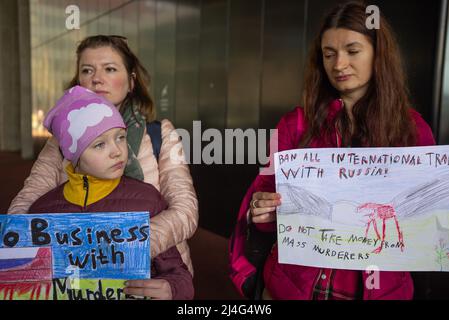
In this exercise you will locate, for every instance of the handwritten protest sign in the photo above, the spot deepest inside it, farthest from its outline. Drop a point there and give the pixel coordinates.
(72, 256)
(362, 207)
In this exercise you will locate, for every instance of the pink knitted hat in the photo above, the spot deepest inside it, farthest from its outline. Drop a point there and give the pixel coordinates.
(78, 118)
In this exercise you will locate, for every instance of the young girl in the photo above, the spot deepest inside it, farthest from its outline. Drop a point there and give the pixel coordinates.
(355, 95)
(92, 136)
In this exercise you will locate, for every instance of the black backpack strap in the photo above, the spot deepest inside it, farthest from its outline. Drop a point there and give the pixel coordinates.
(155, 132)
(258, 246)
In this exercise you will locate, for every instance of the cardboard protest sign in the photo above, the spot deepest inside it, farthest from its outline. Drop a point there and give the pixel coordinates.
(362, 207)
(72, 256)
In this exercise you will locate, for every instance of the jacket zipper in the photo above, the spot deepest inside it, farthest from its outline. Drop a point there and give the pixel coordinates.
(337, 134)
(85, 187)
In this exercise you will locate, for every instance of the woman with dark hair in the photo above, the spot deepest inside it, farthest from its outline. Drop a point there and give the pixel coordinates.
(107, 66)
(354, 96)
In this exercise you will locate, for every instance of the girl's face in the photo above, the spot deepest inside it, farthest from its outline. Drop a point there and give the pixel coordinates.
(348, 58)
(102, 70)
(106, 157)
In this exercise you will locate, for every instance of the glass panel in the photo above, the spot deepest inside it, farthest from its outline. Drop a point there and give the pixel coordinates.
(187, 62)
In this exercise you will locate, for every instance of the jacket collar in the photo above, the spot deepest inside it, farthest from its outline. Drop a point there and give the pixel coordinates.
(83, 190)
(335, 106)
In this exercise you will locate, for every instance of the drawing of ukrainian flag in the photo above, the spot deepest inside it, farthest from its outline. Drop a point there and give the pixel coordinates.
(26, 273)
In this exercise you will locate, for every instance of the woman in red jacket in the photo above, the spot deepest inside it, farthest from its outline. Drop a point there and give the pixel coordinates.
(355, 96)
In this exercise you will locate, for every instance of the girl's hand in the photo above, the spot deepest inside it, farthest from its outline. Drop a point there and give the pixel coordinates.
(263, 206)
(158, 289)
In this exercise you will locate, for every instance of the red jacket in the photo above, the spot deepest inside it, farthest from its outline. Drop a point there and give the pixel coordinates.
(285, 281)
(129, 195)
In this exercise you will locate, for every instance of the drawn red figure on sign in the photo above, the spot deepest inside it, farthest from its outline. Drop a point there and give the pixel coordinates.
(382, 212)
(412, 202)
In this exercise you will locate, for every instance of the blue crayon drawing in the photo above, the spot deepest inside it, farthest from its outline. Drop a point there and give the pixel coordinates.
(110, 245)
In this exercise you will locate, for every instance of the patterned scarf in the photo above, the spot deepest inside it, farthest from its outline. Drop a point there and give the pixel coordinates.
(135, 123)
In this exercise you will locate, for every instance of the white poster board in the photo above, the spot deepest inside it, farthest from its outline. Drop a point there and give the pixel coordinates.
(362, 207)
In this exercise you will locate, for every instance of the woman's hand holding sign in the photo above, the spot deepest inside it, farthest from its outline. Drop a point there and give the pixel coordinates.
(158, 289)
(263, 206)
